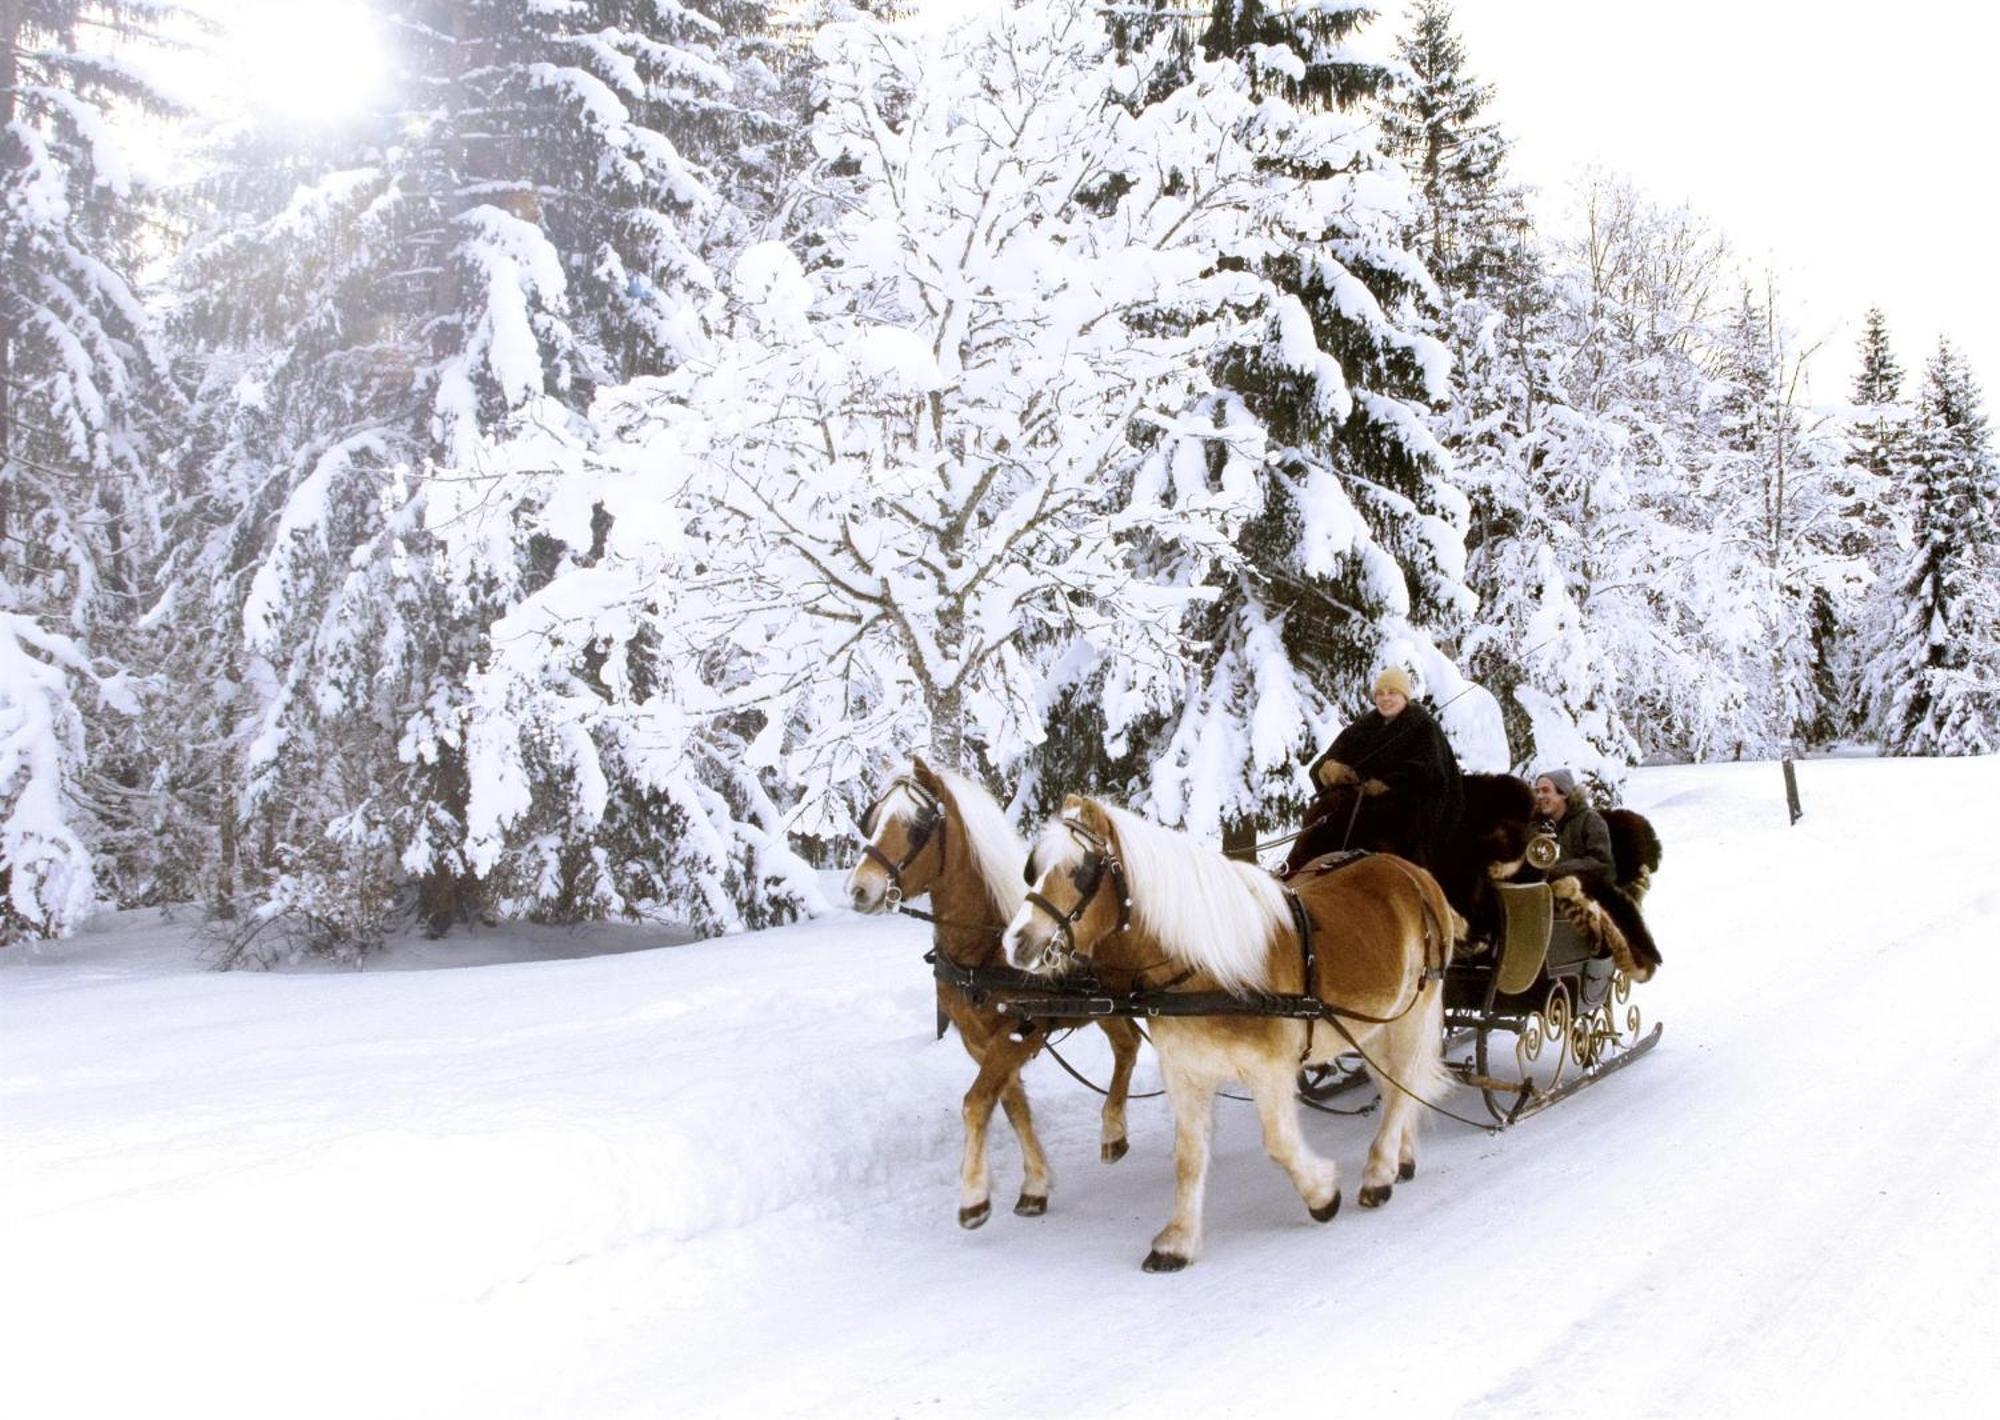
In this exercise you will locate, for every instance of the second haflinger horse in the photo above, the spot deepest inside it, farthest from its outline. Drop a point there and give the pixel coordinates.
(940, 834)
(1151, 910)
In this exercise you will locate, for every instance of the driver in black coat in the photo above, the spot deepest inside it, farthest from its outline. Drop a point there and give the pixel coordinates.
(1408, 774)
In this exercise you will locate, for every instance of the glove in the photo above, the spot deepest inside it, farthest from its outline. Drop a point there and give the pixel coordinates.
(1332, 773)
(1374, 788)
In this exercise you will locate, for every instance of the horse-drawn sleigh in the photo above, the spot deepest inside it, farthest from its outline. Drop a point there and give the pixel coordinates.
(1237, 974)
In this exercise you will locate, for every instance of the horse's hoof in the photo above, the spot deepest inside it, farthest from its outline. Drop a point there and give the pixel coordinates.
(1157, 1261)
(1406, 1170)
(1325, 1213)
(1029, 1206)
(1376, 1196)
(972, 1217)
(1115, 1150)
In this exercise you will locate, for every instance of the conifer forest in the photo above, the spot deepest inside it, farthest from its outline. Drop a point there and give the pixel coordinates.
(553, 490)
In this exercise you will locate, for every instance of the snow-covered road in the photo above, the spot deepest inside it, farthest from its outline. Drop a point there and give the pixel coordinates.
(720, 1178)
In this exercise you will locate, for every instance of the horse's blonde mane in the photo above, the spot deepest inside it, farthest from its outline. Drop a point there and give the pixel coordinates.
(997, 851)
(1204, 910)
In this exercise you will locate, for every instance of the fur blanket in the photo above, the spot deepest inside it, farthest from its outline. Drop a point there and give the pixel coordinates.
(1636, 847)
(1610, 921)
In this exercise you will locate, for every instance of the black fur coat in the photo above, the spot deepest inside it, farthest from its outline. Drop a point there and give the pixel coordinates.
(1412, 758)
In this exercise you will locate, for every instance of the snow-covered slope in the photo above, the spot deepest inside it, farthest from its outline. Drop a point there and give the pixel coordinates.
(720, 1178)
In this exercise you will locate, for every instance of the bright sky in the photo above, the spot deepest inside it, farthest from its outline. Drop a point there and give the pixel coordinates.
(1846, 146)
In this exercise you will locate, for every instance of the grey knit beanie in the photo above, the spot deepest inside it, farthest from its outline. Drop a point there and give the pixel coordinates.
(1564, 781)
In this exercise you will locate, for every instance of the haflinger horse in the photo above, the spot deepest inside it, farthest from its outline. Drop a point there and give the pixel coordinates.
(1149, 909)
(940, 834)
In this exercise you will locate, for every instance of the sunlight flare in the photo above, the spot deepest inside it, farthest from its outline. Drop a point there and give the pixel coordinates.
(312, 64)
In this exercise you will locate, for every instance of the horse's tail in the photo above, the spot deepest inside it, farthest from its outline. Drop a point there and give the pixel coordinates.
(1433, 1081)
(1438, 1080)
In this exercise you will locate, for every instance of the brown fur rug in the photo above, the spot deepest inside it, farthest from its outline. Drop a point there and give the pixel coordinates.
(1609, 920)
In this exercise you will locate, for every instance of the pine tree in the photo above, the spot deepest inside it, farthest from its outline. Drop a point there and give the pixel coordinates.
(1874, 522)
(84, 408)
(1933, 679)
(1355, 557)
(1431, 119)
(1878, 391)
(437, 296)
(1530, 645)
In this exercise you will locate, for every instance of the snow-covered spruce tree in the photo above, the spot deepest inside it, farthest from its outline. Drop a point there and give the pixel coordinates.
(83, 402)
(1933, 679)
(1875, 523)
(981, 421)
(1353, 556)
(1467, 221)
(1879, 415)
(454, 277)
(1529, 644)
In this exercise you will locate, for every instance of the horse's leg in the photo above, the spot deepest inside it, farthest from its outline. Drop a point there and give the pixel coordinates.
(1274, 1085)
(999, 1082)
(999, 1064)
(1192, 1095)
(1410, 1051)
(1124, 1036)
(1035, 1177)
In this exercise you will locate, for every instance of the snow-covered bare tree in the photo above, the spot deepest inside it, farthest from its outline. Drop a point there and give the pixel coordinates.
(981, 422)
(1670, 582)
(1781, 479)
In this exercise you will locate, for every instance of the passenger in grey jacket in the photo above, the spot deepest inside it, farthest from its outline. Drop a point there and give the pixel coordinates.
(1581, 834)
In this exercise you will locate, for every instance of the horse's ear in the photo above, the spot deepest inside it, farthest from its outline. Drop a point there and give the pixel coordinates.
(923, 773)
(1089, 813)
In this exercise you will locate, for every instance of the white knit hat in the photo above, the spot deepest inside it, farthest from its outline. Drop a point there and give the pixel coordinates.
(1397, 679)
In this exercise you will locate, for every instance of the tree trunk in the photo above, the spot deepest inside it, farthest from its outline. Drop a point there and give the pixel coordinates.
(1239, 839)
(227, 830)
(10, 36)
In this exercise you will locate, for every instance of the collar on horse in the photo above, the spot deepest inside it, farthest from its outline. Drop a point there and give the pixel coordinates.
(930, 820)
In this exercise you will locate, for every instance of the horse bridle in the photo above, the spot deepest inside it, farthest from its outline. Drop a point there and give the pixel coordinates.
(1100, 862)
(929, 820)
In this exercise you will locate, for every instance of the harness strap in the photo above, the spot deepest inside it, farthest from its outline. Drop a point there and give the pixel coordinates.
(1309, 980)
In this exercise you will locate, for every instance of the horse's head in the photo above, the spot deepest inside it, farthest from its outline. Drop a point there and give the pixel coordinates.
(904, 834)
(1077, 893)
